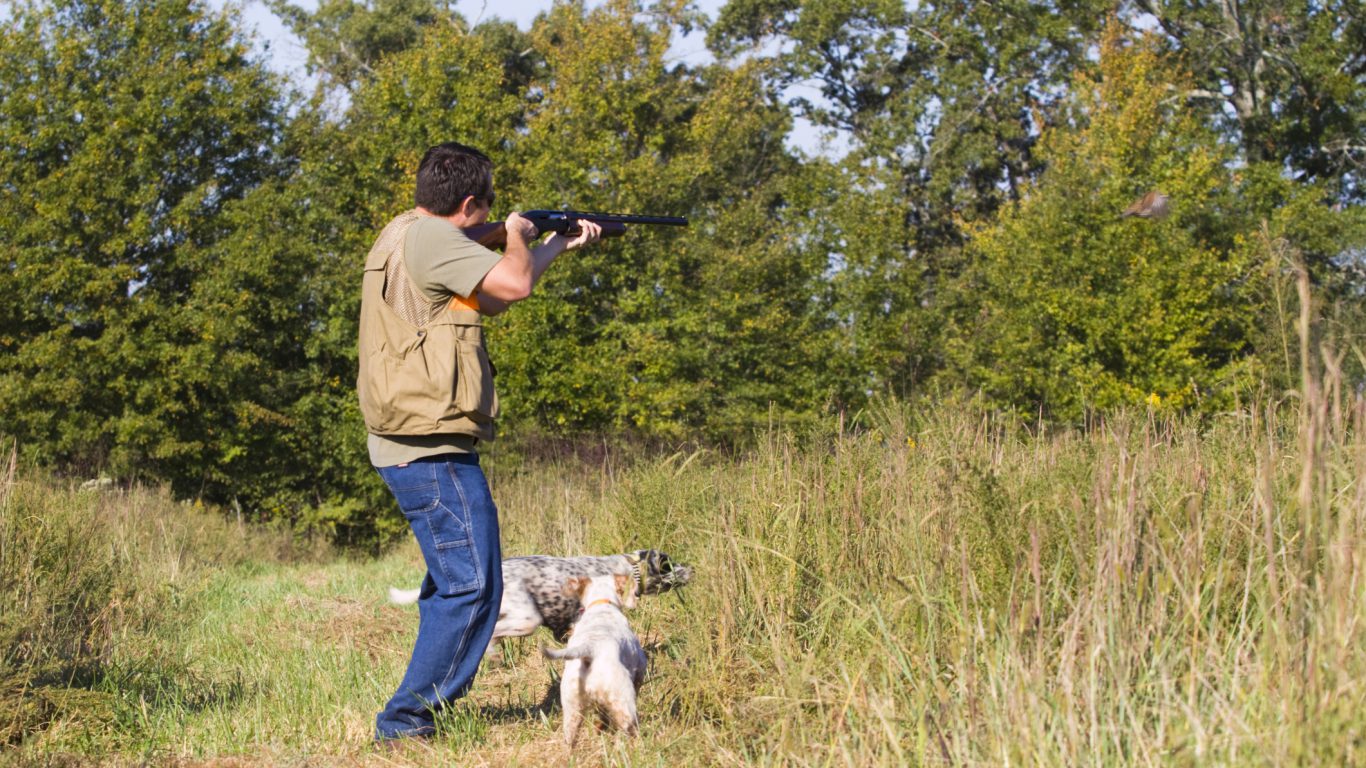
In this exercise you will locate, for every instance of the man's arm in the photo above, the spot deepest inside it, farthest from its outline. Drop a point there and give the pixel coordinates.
(512, 281)
(491, 304)
(513, 276)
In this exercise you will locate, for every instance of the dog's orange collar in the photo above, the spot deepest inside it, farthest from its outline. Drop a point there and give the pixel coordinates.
(601, 601)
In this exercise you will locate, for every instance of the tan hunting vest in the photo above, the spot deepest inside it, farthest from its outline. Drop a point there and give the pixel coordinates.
(422, 372)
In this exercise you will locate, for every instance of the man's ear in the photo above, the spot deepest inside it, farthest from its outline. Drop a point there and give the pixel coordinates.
(468, 206)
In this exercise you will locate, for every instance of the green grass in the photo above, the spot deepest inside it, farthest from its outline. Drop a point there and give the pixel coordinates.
(936, 588)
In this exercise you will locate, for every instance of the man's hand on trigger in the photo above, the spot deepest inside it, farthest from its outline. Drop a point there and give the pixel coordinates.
(589, 232)
(524, 227)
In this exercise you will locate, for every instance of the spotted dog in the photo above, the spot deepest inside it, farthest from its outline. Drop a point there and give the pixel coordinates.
(533, 587)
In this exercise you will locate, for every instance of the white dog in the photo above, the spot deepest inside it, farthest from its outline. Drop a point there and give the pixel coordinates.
(605, 664)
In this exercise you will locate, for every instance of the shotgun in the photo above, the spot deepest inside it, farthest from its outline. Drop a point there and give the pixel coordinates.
(494, 234)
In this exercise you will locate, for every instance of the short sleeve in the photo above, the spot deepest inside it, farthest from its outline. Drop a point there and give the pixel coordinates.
(442, 261)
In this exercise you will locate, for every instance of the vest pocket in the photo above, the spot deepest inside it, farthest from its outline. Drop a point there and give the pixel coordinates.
(474, 394)
(407, 393)
(374, 383)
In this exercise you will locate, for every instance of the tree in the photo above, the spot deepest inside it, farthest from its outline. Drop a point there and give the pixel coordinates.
(665, 333)
(1284, 79)
(938, 103)
(125, 129)
(346, 39)
(1067, 306)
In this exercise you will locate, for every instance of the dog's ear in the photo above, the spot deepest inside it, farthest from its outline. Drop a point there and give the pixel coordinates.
(626, 589)
(574, 586)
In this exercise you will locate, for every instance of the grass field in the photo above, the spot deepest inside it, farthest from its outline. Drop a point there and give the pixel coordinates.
(932, 588)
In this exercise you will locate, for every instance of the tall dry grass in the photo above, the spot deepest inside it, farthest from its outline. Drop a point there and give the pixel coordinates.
(86, 577)
(939, 589)
(951, 590)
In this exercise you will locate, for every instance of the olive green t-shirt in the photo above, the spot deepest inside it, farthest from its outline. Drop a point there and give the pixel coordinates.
(441, 263)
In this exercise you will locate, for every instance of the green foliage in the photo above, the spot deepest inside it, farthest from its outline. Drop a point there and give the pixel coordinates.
(455, 84)
(125, 128)
(936, 103)
(662, 333)
(347, 39)
(1067, 306)
(1291, 224)
(1284, 79)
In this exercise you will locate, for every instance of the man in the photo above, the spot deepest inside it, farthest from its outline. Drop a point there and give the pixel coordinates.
(426, 391)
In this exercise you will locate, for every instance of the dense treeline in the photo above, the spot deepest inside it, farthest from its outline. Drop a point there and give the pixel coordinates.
(181, 231)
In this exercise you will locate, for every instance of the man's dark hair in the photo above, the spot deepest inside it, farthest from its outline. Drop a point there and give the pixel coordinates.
(451, 172)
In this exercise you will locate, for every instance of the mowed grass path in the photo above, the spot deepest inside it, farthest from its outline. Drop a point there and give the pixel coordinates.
(294, 662)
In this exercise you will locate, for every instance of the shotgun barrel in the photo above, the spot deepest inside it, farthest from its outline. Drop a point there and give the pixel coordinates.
(567, 222)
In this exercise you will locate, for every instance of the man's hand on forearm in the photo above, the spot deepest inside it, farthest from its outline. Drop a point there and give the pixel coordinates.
(556, 244)
(589, 232)
(520, 229)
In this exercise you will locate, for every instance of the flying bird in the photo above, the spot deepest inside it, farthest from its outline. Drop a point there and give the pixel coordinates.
(1151, 206)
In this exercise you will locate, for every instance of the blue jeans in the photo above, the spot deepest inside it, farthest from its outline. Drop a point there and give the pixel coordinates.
(447, 503)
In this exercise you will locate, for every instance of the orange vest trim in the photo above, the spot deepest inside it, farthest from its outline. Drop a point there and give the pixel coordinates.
(459, 302)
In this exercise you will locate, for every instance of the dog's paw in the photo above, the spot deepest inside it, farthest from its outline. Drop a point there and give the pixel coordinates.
(403, 596)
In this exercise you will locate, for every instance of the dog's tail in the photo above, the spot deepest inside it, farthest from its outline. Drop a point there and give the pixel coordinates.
(403, 596)
(572, 652)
